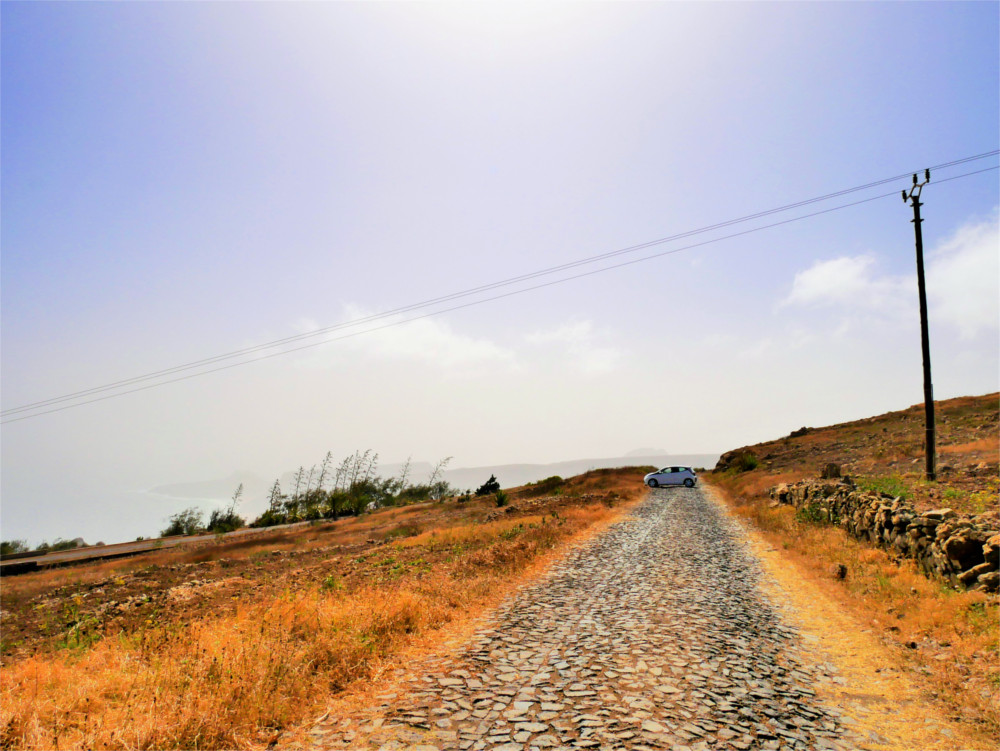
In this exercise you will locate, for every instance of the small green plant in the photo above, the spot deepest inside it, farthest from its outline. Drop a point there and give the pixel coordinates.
(501, 498)
(510, 534)
(816, 515)
(83, 628)
(893, 486)
(982, 501)
(332, 583)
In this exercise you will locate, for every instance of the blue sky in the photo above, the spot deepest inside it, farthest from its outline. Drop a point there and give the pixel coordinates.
(184, 179)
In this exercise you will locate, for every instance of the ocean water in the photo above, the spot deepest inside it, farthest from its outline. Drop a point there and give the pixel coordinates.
(57, 506)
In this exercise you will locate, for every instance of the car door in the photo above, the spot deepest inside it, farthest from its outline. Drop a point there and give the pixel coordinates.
(676, 476)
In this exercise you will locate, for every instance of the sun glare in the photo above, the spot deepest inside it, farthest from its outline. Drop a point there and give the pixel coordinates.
(504, 19)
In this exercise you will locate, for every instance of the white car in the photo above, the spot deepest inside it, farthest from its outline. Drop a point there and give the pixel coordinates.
(671, 476)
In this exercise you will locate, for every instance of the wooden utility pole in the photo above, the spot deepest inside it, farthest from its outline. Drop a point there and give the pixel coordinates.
(914, 197)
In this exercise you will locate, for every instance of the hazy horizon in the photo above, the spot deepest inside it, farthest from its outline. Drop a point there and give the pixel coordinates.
(151, 507)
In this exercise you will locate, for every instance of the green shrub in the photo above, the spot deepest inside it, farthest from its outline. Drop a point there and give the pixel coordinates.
(488, 487)
(413, 494)
(501, 498)
(186, 522)
(61, 544)
(549, 483)
(270, 518)
(9, 547)
(222, 521)
(745, 461)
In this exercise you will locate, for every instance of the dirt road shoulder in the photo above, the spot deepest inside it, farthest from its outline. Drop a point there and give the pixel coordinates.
(871, 686)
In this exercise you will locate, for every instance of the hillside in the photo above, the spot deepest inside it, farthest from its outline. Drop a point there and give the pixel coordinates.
(889, 448)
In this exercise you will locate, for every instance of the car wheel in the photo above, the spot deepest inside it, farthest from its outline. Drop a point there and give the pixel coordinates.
(689, 483)
(653, 483)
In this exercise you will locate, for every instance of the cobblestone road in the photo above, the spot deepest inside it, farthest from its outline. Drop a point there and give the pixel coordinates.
(653, 635)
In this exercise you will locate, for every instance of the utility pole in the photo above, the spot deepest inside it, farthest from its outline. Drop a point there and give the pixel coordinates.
(929, 441)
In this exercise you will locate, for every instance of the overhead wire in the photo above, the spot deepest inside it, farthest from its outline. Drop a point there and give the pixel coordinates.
(76, 396)
(464, 293)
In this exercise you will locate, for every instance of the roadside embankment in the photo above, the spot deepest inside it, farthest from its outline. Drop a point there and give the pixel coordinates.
(963, 549)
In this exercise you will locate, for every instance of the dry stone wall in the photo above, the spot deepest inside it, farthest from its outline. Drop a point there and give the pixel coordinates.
(962, 549)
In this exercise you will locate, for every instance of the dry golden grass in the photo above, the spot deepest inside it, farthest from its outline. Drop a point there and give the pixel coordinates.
(237, 680)
(955, 633)
(467, 533)
(345, 532)
(990, 445)
(756, 485)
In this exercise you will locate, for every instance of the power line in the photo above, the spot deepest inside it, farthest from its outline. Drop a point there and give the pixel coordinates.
(288, 340)
(463, 293)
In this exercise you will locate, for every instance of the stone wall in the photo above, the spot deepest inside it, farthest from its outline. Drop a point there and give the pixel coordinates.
(962, 549)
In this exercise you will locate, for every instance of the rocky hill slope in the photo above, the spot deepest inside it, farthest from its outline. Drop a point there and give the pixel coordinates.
(886, 452)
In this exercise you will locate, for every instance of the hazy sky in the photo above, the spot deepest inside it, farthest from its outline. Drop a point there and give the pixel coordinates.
(185, 179)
